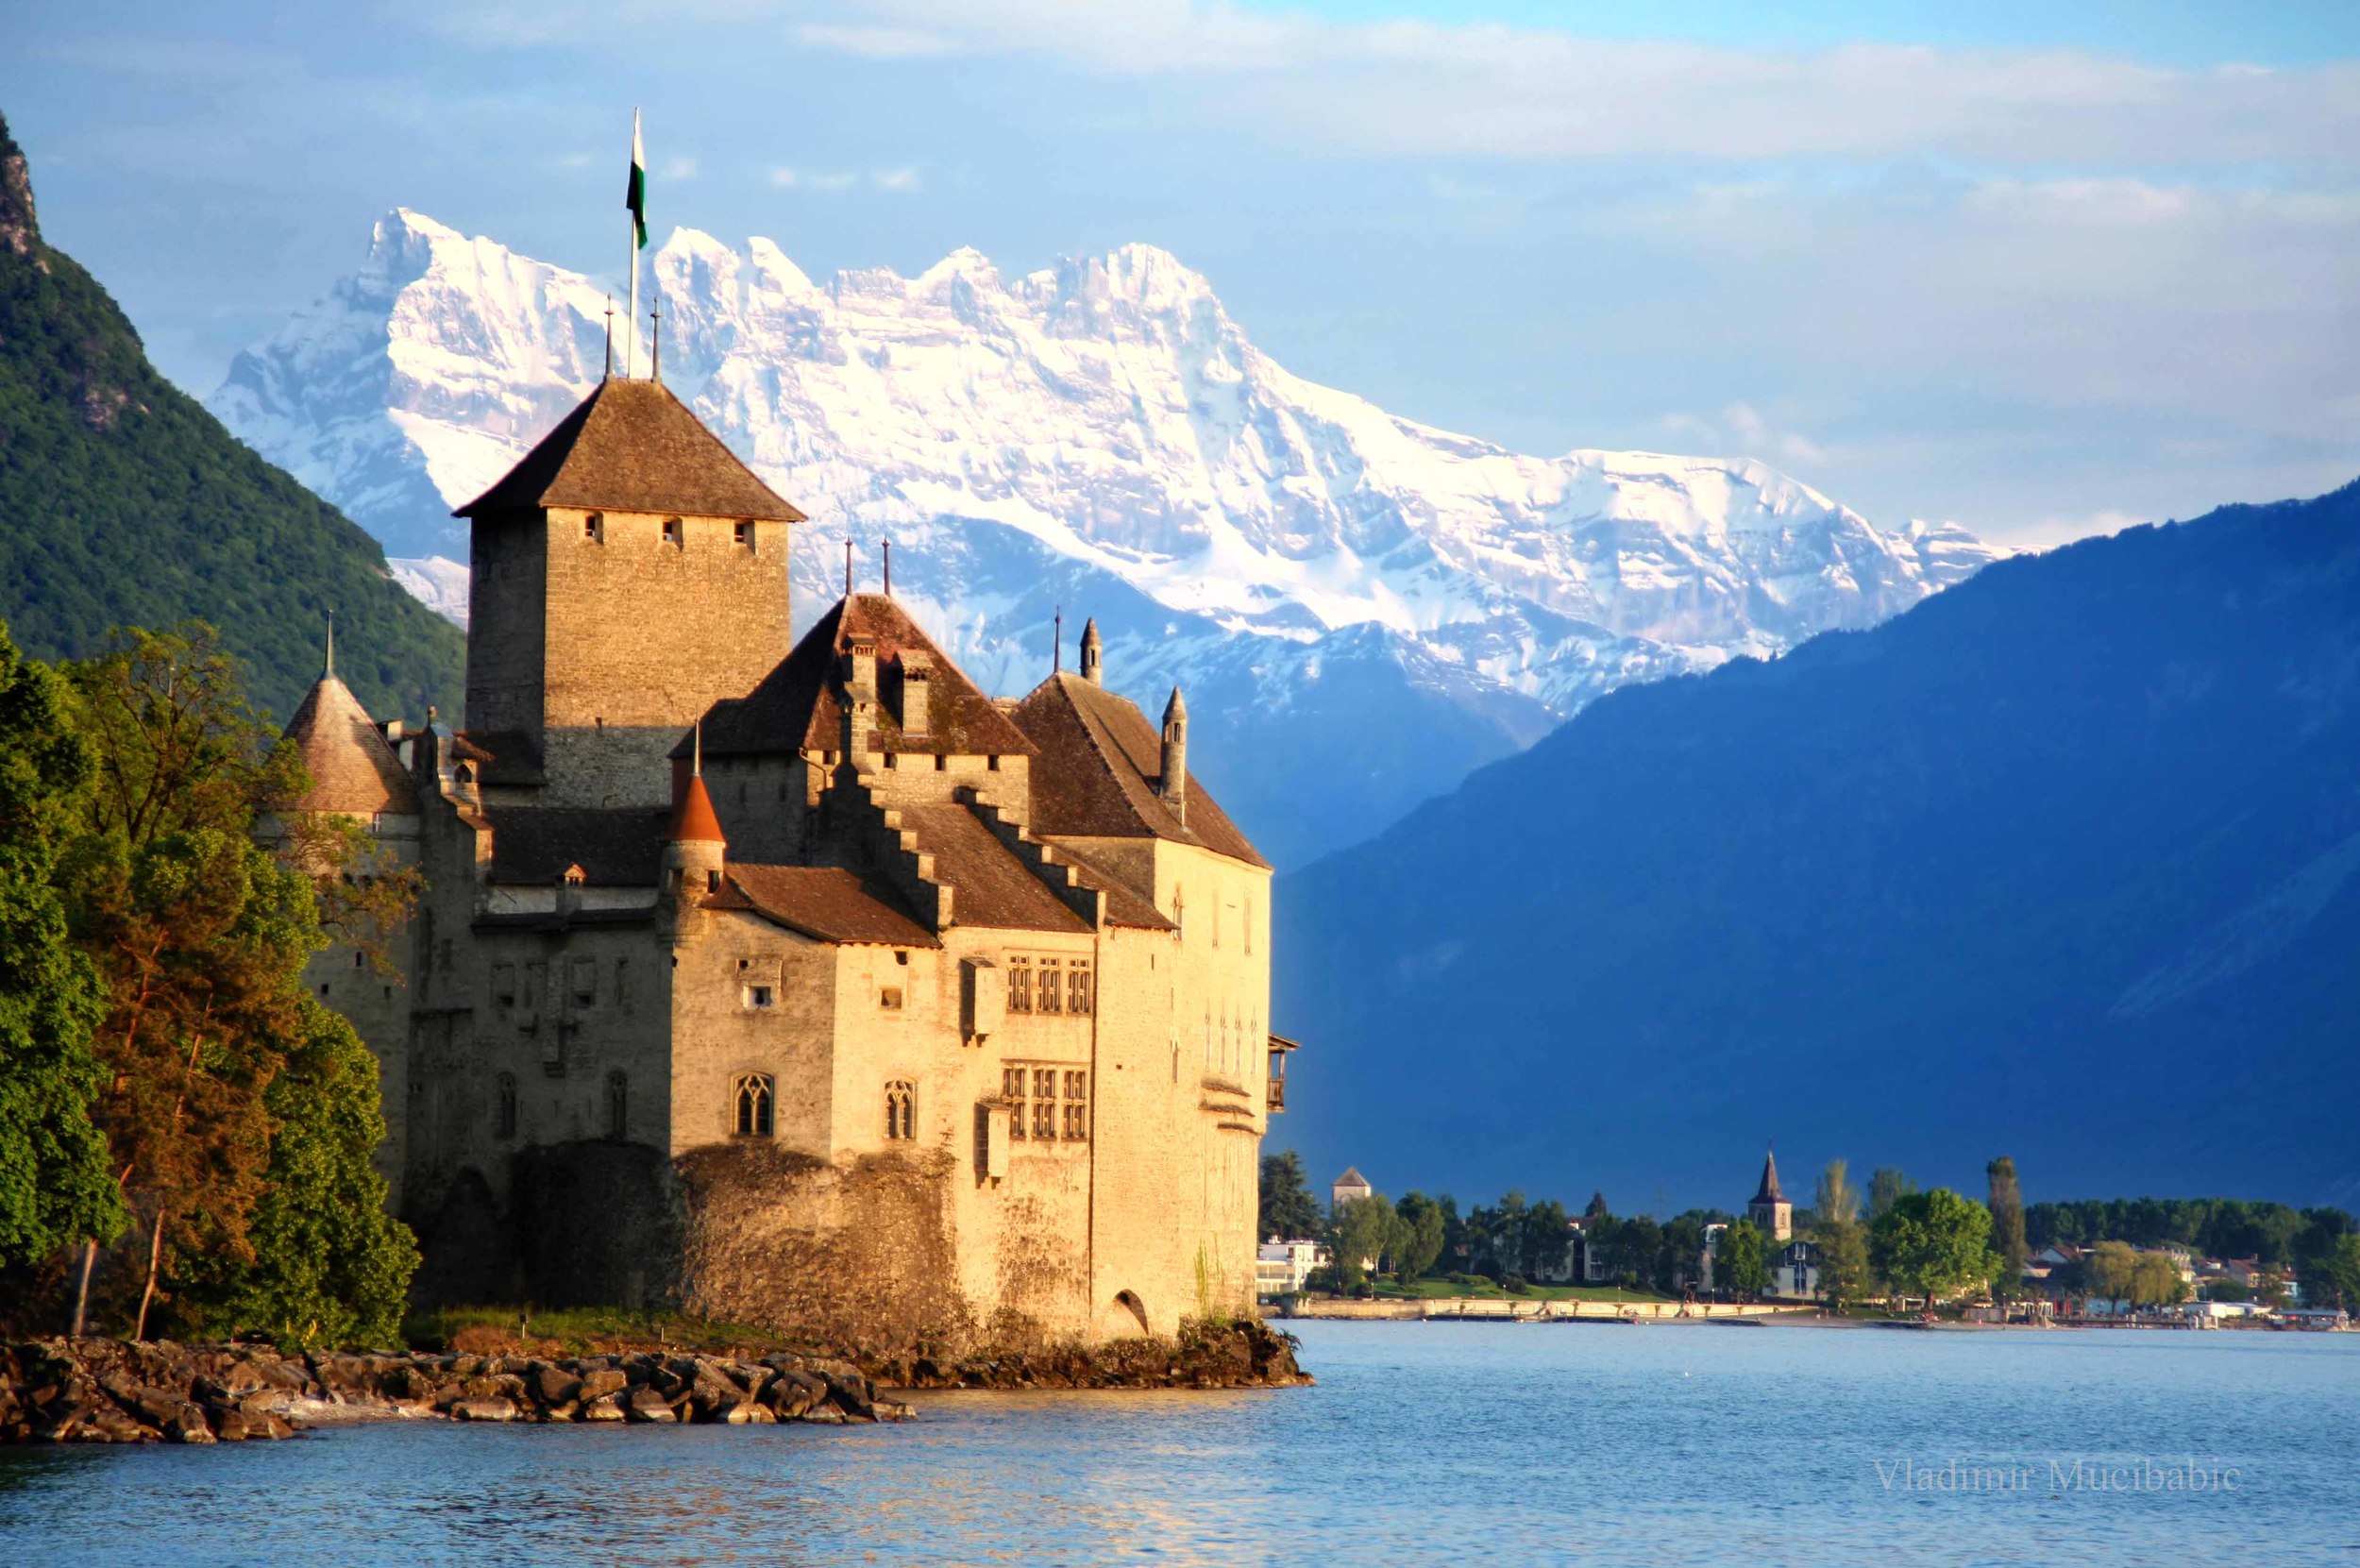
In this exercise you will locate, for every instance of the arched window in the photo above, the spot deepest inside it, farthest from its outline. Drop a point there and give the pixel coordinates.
(901, 1107)
(618, 1106)
(504, 1112)
(752, 1094)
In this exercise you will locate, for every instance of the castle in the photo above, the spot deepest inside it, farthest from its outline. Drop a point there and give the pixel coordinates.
(805, 986)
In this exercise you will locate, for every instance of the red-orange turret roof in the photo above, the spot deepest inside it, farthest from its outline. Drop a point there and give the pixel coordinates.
(693, 822)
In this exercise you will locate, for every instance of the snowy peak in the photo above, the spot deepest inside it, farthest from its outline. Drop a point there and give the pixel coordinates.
(1096, 432)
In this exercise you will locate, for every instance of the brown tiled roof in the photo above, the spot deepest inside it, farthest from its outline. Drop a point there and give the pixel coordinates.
(614, 848)
(990, 886)
(1125, 904)
(1097, 763)
(799, 705)
(352, 769)
(633, 447)
(832, 905)
(500, 756)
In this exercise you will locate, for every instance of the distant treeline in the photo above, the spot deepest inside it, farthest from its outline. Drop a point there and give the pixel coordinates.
(2216, 1227)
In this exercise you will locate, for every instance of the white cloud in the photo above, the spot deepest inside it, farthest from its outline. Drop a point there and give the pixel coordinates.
(876, 42)
(785, 177)
(679, 169)
(897, 179)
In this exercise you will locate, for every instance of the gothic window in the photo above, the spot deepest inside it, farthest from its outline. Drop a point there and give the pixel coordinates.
(1012, 1085)
(1051, 999)
(504, 1115)
(1077, 987)
(618, 1106)
(1077, 1115)
(753, 1104)
(1019, 985)
(900, 1103)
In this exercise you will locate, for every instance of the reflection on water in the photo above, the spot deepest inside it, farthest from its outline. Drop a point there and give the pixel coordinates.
(1423, 1444)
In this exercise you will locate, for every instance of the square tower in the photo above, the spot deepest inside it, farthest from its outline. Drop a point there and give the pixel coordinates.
(627, 573)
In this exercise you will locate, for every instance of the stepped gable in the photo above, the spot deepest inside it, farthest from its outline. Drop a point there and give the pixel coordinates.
(992, 886)
(631, 446)
(799, 705)
(1769, 1192)
(353, 771)
(1099, 762)
(615, 848)
(1124, 904)
(823, 901)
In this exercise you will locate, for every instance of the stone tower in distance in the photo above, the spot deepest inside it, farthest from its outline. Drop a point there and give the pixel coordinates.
(628, 574)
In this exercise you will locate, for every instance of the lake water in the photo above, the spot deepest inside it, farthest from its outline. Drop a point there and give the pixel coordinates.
(1434, 1443)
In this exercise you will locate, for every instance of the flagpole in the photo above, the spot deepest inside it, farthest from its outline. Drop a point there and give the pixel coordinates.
(631, 311)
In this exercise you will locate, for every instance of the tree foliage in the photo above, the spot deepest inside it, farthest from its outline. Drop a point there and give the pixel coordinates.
(1932, 1244)
(1842, 1239)
(1740, 1265)
(2007, 1227)
(1427, 1229)
(1289, 1211)
(237, 1116)
(55, 1188)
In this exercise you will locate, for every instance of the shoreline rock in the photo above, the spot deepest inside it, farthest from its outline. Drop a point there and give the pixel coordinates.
(114, 1390)
(117, 1391)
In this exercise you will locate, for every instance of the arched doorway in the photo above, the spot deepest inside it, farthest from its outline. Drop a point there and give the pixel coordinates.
(1129, 1305)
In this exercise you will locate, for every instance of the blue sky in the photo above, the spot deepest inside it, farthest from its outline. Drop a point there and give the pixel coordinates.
(2040, 269)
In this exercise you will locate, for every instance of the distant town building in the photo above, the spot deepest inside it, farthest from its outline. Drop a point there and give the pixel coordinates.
(1770, 1213)
(1351, 1186)
(1282, 1267)
(1794, 1271)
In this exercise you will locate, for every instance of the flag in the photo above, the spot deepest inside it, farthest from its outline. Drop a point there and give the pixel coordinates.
(636, 197)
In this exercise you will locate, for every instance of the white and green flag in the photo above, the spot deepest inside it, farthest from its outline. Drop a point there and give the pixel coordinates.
(637, 198)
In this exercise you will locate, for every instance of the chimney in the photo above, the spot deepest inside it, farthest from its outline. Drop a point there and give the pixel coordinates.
(1172, 789)
(917, 713)
(1093, 654)
(859, 669)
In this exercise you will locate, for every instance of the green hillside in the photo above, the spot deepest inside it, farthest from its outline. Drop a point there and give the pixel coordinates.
(123, 502)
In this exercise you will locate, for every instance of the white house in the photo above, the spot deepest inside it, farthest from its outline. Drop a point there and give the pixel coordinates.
(1281, 1268)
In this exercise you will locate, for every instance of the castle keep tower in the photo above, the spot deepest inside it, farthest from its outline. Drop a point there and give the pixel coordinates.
(628, 574)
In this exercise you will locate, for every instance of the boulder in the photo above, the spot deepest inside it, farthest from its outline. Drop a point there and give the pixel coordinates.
(646, 1403)
(484, 1410)
(598, 1383)
(607, 1409)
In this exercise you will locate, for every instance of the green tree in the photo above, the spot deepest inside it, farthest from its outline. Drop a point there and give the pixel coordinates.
(2109, 1270)
(2155, 1280)
(1366, 1233)
(2334, 1279)
(330, 1266)
(55, 1188)
(1427, 1229)
(1289, 1211)
(1739, 1266)
(1546, 1240)
(1887, 1185)
(1843, 1241)
(1633, 1250)
(1932, 1244)
(202, 932)
(2007, 1229)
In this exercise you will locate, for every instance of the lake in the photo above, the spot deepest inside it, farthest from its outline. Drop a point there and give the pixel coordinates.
(1424, 1442)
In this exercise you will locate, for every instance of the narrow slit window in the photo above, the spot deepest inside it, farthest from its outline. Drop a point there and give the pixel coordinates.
(504, 1113)
(618, 1106)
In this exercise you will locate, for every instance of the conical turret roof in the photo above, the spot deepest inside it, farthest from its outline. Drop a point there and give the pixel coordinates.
(353, 771)
(1769, 1192)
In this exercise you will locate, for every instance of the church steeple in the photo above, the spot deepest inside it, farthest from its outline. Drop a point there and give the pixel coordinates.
(1770, 1213)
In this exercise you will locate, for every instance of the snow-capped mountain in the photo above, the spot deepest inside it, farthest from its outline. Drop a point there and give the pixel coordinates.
(1362, 607)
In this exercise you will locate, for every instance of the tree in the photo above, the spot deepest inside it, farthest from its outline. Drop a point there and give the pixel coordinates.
(1932, 1244)
(1545, 1238)
(1366, 1232)
(1842, 1241)
(2155, 1280)
(2007, 1227)
(2334, 1280)
(1738, 1264)
(1426, 1229)
(201, 933)
(2109, 1270)
(1886, 1185)
(1596, 1209)
(330, 1266)
(1288, 1212)
(1633, 1249)
(56, 1188)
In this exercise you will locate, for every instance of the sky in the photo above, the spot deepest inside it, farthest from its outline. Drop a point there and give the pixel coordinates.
(2040, 270)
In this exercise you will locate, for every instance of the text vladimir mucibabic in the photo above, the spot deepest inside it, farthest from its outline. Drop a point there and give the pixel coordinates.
(2057, 1476)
